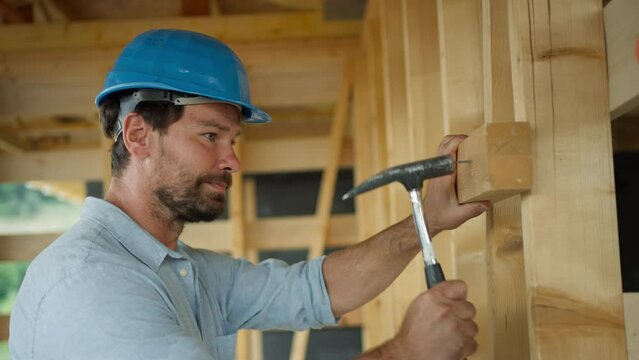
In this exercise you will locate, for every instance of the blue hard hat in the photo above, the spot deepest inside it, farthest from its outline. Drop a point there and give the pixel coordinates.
(186, 62)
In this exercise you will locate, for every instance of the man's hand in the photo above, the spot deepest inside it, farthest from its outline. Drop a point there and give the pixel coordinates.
(437, 326)
(441, 207)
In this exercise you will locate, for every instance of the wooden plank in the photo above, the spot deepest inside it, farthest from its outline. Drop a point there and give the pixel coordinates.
(461, 57)
(500, 156)
(289, 155)
(282, 233)
(238, 244)
(378, 327)
(460, 38)
(571, 252)
(327, 191)
(195, 7)
(228, 28)
(52, 165)
(24, 247)
(216, 236)
(56, 81)
(631, 314)
(505, 335)
(621, 19)
(268, 156)
(506, 293)
(252, 255)
(4, 328)
(400, 145)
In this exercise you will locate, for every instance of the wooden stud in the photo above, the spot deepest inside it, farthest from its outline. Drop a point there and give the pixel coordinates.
(238, 249)
(621, 19)
(400, 145)
(327, 190)
(304, 154)
(505, 334)
(500, 165)
(378, 326)
(571, 251)
(228, 28)
(4, 328)
(252, 255)
(461, 49)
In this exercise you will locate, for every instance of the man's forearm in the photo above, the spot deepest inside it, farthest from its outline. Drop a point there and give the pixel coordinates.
(357, 274)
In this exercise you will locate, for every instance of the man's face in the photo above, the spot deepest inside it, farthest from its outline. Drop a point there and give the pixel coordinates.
(194, 162)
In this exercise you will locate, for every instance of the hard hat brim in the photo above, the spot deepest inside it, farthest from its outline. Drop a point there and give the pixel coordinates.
(251, 114)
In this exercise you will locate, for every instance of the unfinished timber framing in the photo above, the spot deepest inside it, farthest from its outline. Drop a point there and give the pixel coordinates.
(543, 265)
(327, 189)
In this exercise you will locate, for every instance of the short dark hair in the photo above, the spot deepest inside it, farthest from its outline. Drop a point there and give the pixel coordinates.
(158, 114)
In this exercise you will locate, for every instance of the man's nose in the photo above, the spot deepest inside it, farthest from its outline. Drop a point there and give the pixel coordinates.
(229, 161)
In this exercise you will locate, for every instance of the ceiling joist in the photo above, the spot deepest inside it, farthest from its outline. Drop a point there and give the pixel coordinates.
(228, 28)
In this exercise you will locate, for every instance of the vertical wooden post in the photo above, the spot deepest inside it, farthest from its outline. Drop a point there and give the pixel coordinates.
(378, 325)
(507, 335)
(252, 255)
(569, 218)
(327, 189)
(239, 244)
(400, 146)
(460, 36)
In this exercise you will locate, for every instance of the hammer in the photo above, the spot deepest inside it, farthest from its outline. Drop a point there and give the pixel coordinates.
(412, 176)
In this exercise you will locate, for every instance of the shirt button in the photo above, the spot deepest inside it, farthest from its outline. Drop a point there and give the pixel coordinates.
(183, 272)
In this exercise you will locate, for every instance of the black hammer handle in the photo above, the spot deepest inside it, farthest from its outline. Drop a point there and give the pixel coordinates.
(434, 275)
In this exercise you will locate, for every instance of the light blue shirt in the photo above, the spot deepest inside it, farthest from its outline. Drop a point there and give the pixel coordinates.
(107, 289)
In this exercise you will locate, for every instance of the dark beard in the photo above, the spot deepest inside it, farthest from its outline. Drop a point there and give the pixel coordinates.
(190, 204)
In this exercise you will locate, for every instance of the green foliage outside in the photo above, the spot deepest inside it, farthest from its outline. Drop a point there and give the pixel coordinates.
(4, 351)
(26, 210)
(11, 275)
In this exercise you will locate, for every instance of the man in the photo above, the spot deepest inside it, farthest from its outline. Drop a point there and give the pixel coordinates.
(120, 285)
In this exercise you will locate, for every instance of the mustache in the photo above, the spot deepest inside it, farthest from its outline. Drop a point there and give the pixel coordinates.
(224, 178)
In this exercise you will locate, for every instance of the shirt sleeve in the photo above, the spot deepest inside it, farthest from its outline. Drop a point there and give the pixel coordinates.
(275, 295)
(95, 316)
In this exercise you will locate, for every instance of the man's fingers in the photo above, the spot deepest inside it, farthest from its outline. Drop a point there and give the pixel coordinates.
(464, 310)
(470, 347)
(450, 143)
(452, 289)
(475, 208)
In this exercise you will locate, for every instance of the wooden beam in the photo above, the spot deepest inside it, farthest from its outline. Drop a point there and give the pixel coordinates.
(306, 154)
(500, 156)
(505, 334)
(400, 145)
(24, 247)
(327, 190)
(621, 19)
(281, 233)
(463, 253)
(4, 327)
(571, 249)
(47, 11)
(228, 28)
(195, 7)
(289, 155)
(59, 82)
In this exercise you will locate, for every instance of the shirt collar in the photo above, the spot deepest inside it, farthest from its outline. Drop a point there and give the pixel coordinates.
(134, 238)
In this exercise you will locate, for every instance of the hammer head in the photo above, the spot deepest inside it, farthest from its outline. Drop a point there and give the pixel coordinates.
(411, 175)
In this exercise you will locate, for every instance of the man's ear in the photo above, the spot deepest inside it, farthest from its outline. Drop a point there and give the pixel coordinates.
(136, 135)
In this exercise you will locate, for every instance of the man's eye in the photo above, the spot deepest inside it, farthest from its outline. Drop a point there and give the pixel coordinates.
(210, 136)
